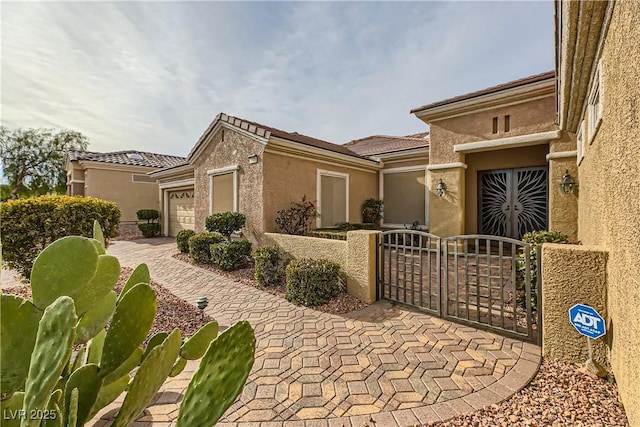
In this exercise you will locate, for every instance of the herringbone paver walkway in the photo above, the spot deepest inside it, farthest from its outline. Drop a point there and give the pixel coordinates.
(387, 363)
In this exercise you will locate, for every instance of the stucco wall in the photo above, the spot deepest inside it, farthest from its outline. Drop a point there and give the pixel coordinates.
(117, 186)
(421, 160)
(229, 148)
(356, 256)
(609, 199)
(287, 179)
(572, 274)
(446, 214)
(563, 208)
(526, 118)
(497, 159)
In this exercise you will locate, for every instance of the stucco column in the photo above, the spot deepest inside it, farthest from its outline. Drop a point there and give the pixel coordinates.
(446, 214)
(563, 208)
(361, 264)
(572, 274)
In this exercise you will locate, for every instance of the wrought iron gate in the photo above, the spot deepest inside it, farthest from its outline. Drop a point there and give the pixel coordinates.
(479, 280)
(512, 202)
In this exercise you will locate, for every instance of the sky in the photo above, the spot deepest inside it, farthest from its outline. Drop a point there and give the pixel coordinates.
(151, 76)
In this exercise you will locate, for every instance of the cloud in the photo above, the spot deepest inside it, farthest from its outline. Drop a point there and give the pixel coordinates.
(151, 76)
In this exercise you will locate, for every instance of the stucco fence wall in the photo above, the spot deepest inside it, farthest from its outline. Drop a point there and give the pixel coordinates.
(356, 256)
(573, 274)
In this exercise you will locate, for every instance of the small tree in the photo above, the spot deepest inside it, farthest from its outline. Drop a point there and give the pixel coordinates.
(152, 227)
(35, 158)
(225, 223)
(297, 219)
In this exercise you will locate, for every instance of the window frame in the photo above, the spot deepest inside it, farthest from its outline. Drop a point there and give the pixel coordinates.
(595, 109)
(334, 174)
(223, 171)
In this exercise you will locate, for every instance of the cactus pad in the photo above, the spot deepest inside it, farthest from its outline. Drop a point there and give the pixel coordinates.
(139, 275)
(219, 378)
(87, 381)
(178, 367)
(94, 348)
(196, 346)
(131, 322)
(11, 408)
(97, 233)
(105, 278)
(126, 367)
(51, 352)
(108, 393)
(62, 268)
(96, 318)
(149, 378)
(155, 340)
(18, 328)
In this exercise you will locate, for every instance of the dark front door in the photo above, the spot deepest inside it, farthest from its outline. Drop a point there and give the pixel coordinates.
(512, 202)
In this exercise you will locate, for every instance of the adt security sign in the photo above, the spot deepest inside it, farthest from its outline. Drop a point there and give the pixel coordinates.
(587, 321)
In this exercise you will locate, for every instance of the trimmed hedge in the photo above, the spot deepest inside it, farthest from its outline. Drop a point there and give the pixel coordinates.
(229, 256)
(225, 223)
(199, 245)
(182, 240)
(148, 214)
(151, 229)
(270, 265)
(29, 225)
(312, 282)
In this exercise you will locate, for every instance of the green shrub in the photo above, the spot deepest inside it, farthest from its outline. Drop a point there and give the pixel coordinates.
(29, 225)
(147, 214)
(225, 223)
(372, 211)
(229, 256)
(535, 238)
(270, 265)
(182, 240)
(199, 246)
(312, 282)
(149, 230)
(328, 234)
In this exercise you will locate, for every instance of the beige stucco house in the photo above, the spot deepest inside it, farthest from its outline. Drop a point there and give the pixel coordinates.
(239, 165)
(598, 94)
(119, 177)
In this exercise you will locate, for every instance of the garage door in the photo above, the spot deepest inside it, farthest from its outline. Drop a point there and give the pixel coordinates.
(181, 214)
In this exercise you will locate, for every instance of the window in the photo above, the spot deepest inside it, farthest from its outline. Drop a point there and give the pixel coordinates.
(135, 156)
(223, 190)
(580, 142)
(594, 108)
(404, 191)
(507, 123)
(333, 198)
(495, 125)
(143, 178)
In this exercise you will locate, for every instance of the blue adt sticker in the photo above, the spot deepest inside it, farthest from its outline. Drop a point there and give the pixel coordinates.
(587, 321)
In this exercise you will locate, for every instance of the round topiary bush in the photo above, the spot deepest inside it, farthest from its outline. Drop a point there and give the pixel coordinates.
(225, 223)
(182, 240)
(199, 246)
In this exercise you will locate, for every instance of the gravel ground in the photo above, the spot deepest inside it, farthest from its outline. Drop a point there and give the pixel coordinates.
(557, 396)
(173, 312)
(343, 303)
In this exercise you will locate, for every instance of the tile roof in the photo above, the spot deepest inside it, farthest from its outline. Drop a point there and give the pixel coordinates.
(267, 131)
(509, 85)
(129, 157)
(381, 144)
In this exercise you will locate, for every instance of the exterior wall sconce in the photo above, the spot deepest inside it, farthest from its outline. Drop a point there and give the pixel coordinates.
(253, 159)
(441, 189)
(567, 183)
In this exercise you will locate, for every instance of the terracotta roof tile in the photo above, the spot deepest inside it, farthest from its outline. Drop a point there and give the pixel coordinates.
(129, 157)
(381, 144)
(509, 85)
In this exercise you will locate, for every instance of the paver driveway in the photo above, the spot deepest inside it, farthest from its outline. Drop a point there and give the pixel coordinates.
(385, 363)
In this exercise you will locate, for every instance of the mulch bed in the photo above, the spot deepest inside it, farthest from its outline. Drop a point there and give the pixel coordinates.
(343, 303)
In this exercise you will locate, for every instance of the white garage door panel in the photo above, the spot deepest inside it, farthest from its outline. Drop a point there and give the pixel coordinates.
(181, 212)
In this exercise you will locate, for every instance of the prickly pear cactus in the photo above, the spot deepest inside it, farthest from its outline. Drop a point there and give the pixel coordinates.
(51, 352)
(195, 347)
(126, 367)
(155, 340)
(96, 318)
(19, 320)
(153, 371)
(139, 275)
(108, 393)
(131, 323)
(104, 279)
(11, 409)
(87, 381)
(219, 378)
